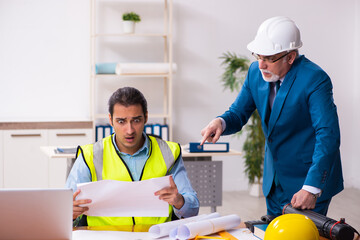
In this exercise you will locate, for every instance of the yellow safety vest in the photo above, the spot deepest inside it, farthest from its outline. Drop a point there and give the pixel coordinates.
(104, 162)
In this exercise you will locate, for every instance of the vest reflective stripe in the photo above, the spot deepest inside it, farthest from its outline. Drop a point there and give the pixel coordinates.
(105, 163)
(98, 159)
(167, 153)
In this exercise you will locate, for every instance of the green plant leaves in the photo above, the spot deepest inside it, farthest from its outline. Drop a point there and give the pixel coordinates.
(235, 70)
(131, 16)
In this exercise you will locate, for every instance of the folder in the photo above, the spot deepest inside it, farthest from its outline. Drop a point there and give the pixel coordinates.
(157, 130)
(209, 147)
(102, 131)
(165, 132)
(107, 130)
(148, 129)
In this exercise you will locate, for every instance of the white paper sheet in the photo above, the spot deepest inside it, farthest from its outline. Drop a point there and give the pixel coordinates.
(125, 199)
(109, 235)
(243, 234)
(205, 227)
(240, 234)
(163, 229)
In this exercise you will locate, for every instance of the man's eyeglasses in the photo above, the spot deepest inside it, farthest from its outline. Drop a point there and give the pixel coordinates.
(269, 59)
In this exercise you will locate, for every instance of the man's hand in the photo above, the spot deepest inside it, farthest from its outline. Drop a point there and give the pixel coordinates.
(77, 210)
(212, 131)
(303, 200)
(171, 195)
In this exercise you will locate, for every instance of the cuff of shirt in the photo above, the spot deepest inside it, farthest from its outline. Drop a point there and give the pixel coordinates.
(186, 210)
(311, 189)
(223, 124)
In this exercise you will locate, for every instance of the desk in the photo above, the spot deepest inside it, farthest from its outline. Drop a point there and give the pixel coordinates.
(50, 152)
(126, 232)
(204, 174)
(145, 228)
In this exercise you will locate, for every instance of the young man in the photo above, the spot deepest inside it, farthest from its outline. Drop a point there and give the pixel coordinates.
(131, 155)
(302, 163)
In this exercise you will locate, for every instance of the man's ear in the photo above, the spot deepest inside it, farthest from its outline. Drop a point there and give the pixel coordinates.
(292, 57)
(110, 120)
(146, 117)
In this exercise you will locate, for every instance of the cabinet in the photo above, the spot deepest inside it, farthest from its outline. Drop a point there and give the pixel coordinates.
(1, 159)
(110, 44)
(24, 165)
(64, 137)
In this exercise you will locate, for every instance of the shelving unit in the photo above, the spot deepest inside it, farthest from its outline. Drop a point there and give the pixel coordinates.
(167, 78)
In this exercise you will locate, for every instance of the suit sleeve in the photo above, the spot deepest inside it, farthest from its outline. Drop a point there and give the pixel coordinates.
(327, 132)
(241, 109)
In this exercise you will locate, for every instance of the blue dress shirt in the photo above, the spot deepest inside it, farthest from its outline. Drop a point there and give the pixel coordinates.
(80, 173)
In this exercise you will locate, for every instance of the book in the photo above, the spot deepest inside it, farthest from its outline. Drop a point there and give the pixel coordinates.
(259, 230)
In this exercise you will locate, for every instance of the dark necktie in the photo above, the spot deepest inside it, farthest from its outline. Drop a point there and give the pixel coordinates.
(274, 88)
(277, 86)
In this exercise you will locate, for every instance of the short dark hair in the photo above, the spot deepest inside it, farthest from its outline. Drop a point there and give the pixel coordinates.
(127, 96)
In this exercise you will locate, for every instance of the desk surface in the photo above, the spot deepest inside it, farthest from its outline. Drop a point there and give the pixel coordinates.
(145, 228)
(186, 153)
(49, 151)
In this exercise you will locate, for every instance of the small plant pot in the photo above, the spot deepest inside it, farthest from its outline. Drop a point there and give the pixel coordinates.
(128, 26)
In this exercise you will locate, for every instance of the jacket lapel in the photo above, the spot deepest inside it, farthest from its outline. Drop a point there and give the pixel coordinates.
(265, 108)
(281, 96)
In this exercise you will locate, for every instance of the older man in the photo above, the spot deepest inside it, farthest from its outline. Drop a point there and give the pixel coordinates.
(294, 98)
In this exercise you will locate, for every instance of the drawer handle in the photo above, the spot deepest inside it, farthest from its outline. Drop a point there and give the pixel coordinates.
(26, 135)
(70, 134)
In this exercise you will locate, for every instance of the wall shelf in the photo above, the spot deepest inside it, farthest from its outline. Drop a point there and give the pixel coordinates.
(97, 56)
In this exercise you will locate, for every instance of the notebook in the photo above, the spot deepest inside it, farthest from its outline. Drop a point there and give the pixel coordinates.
(36, 214)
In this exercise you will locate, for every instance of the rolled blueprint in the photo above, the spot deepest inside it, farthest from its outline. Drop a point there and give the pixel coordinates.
(164, 229)
(105, 68)
(144, 68)
(205, 227)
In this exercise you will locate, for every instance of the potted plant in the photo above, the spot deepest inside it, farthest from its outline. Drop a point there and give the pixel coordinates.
(254, 146)
(129, 20)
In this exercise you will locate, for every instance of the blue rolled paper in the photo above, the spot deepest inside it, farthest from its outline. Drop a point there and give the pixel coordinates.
(105, 68)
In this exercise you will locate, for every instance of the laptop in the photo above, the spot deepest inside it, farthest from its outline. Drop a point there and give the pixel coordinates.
(36, 214)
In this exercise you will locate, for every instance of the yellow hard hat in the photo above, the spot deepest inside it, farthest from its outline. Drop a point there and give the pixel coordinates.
(291, 227)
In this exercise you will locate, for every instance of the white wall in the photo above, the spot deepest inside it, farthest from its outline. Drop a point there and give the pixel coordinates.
(353, 165)
(44, 60)
(206, 29)
(46, 46)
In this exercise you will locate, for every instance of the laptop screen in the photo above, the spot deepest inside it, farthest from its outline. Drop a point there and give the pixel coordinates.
(36, 214)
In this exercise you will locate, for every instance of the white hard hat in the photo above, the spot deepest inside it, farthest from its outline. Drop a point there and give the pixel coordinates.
(275, 35)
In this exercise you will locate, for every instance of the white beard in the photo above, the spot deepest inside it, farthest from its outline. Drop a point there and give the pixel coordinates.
(273, 77)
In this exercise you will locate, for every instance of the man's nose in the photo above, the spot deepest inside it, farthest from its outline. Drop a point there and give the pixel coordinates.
(262, 64)
(129, 128)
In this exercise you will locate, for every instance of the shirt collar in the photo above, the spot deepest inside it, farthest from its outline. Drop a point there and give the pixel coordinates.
(143, 150)
(282, 79)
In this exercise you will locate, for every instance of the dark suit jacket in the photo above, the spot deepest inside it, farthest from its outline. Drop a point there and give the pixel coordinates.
(302, 135)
